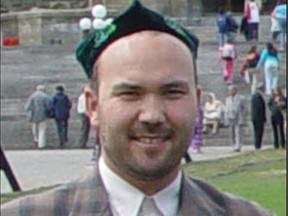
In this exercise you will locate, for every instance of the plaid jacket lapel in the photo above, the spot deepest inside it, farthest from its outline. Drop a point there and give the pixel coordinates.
(91, 197)
(194, 201)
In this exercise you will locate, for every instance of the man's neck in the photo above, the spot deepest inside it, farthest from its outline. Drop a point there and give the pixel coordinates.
(147, 186)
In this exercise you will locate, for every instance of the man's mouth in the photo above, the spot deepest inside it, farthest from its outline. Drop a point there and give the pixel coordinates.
(151, 140)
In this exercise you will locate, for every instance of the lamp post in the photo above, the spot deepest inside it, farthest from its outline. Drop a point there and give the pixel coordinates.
(99, 12)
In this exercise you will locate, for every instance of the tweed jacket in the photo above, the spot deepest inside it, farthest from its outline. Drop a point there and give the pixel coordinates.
(235, 109)
(88, 197)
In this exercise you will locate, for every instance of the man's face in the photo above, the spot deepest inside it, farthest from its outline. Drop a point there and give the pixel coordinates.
(146, 104)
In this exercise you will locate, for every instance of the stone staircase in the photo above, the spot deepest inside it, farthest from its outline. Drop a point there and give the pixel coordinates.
(22, 68)
(210, 79)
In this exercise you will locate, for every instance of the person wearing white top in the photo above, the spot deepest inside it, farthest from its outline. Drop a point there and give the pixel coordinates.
(85, 121)
(252, 12)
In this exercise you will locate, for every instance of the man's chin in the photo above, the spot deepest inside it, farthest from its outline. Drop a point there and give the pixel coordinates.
(152, 168)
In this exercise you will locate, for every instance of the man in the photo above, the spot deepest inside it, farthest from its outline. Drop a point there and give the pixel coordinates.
(232, 27)
(37, 106)
(145, 109)
(252, 12)
(280, 13)
(235, 116)
(258, 115)
(61, 105)
(85, 121)
(221, 21)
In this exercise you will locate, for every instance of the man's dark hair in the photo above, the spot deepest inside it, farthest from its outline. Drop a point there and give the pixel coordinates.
(60, 88)
(271, 49)
(221, 11)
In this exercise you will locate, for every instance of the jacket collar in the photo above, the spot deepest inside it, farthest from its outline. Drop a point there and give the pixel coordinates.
(91, 198)
(195, 201)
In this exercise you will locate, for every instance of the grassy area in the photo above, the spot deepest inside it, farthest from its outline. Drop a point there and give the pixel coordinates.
(259, 176)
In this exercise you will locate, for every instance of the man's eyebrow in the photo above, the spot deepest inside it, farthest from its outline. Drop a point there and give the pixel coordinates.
(126, 86)
(176, 84)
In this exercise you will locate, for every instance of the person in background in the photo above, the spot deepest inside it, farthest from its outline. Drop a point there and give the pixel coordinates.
(85, 121)
(248, 69)
(145, 111)
(258, 115)
(232, 27)
(277, 104)
(270, 59)
(244, 29)
(213, 110)
(228, 55)
(221, 21)
(280, 13)
(62, 105)
(275, 29)
(37, 106)
(252, 12)
(235, 113)
(197, 141)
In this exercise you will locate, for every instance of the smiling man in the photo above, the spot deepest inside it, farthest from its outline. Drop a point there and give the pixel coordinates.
(143, 80)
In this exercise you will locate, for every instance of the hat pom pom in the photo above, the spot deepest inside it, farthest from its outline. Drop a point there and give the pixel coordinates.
(98, 24)
(99, 11)
(85, 23)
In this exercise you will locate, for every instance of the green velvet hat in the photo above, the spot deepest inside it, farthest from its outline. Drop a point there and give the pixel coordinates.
(135, 18)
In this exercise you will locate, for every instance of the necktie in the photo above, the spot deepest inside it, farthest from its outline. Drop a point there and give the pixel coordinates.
(149, 208)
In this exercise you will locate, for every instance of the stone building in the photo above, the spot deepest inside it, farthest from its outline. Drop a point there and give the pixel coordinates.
(169, 7)
(38, 22)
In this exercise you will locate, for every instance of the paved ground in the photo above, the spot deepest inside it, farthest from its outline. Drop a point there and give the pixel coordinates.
(34, 169)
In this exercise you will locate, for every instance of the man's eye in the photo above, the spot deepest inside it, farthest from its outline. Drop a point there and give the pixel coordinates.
(129, 95)
(174, 93)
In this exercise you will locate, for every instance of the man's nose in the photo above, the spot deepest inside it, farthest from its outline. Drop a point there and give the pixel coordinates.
(152, 111)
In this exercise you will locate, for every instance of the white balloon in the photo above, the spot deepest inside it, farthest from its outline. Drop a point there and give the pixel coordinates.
(99, 11)
(85, 23)
(98, 24)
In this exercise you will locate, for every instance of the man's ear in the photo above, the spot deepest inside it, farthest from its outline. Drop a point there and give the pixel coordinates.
(91, 106)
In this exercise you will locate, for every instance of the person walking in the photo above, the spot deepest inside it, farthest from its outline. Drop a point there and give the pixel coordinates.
(277, 104)
(232, 27)
(37, 106)
(280, 13)
(258, 115)
(197, 140)
(85, 121)
(252, 12)
(228, 55)
(244, 29)
(61, 105)
(221, 22)
(248, 69)
(235, 113)
(270, 59)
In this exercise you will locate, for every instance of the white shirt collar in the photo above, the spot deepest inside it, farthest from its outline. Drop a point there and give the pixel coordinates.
(120, 192)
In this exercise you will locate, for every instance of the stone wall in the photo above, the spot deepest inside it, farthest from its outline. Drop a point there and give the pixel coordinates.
(43, 27)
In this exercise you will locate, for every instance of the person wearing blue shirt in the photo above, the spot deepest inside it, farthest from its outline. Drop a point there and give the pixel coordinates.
(62, 106)
(279, 13)
(270, 60)
(221, 21)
